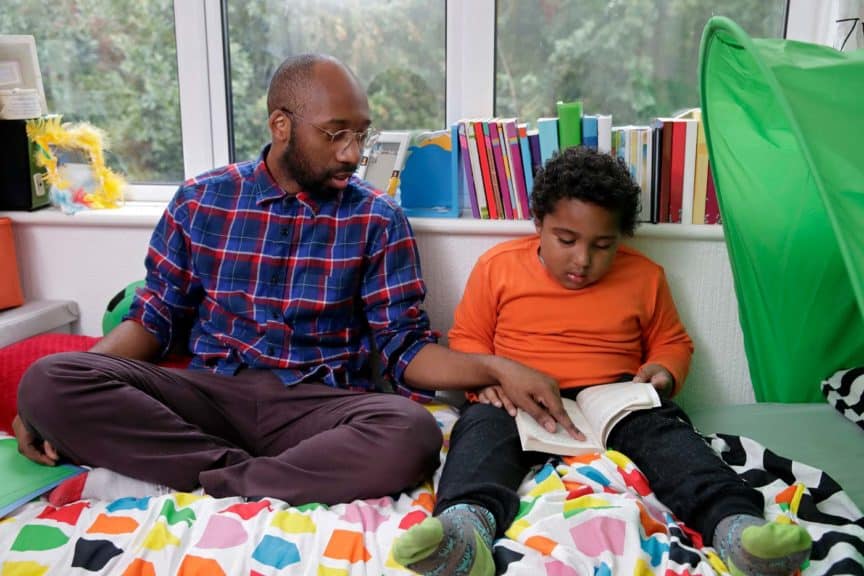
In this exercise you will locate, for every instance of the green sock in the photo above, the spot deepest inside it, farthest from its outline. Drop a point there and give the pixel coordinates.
(750, 545)
(458, 542)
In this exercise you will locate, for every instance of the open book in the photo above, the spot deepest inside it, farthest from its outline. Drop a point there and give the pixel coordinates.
(595, 412)
(22, 480)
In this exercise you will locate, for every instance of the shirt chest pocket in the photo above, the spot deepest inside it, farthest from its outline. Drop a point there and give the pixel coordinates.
(325, 303)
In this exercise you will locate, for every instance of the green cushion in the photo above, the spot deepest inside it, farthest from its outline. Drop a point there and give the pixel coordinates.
(813, 434)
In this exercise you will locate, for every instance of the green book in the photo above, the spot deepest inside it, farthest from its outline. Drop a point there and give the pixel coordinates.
(569, 124)
(22, 480)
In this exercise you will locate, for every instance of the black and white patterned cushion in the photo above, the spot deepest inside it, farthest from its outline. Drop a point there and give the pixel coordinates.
(845, 391)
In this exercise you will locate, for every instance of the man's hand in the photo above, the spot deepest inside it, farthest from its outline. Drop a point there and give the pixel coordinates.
(37, 450)
(659, 377)
(535, 393)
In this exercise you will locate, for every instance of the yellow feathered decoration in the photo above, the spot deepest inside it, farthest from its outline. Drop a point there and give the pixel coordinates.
(48, 134)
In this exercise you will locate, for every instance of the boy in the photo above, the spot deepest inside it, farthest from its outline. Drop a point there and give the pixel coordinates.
(572, 303)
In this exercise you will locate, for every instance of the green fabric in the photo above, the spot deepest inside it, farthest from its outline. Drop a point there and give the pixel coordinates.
(783, 122)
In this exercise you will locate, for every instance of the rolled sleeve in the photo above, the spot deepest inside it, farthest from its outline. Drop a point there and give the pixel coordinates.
(393, 292)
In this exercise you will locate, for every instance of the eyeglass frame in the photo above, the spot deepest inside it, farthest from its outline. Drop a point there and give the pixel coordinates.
(361, 138)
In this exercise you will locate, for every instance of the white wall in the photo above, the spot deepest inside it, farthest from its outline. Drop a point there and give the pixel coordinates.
(89, 257)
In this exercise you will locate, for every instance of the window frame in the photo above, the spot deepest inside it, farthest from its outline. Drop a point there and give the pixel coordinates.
(470, 75)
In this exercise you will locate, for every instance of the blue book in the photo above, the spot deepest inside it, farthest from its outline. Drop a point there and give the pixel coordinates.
(548, 130)
(589, 131)
(527, 168)
(22, 480)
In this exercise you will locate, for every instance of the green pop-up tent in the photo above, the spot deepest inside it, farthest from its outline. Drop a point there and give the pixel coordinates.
(784, 122)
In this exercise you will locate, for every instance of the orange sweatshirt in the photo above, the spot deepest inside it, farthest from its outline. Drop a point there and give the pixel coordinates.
(512, 307)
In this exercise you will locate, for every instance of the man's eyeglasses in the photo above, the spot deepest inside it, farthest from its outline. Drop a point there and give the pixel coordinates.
(341, 139)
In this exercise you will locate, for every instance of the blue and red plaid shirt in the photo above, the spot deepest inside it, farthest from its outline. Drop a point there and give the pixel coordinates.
(295, 284)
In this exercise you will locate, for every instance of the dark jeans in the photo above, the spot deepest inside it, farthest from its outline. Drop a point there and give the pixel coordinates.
(244, 435)
(486, 464)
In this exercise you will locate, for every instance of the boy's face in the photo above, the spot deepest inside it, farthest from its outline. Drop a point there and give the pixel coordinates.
(578, 241)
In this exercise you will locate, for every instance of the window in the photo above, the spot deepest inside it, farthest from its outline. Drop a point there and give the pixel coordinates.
(396, 47)
(114, 64)
(634, 60)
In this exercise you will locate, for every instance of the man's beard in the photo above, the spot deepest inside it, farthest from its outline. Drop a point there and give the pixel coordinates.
(315, 184)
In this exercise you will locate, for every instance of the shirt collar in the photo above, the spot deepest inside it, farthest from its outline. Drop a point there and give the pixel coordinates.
(267, 189)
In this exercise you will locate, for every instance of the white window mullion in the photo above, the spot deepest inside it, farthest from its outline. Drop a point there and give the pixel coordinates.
(470, 59)
(202, 88)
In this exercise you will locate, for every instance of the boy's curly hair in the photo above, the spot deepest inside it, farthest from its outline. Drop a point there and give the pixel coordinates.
(584, 174)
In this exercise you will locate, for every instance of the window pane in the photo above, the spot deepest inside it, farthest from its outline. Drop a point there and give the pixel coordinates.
(635, 60)
(396, 48)
(112, 63)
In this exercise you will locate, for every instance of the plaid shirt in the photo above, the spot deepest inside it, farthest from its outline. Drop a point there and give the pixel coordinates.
(289, 283)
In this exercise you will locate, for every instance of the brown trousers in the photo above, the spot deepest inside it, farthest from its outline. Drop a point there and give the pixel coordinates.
(245, 435)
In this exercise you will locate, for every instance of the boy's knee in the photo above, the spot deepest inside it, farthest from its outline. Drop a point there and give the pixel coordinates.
(483, 416)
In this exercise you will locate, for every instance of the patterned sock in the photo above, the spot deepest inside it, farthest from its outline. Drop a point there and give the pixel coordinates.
(458, 542)
(750, 545)
(103, 484)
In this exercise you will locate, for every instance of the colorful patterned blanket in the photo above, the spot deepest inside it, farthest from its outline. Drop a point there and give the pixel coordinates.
(592, 515)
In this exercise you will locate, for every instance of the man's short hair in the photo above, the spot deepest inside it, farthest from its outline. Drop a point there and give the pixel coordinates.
(584, 174)
(292, 79)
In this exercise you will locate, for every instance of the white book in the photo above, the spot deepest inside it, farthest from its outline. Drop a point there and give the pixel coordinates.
(595, 412)
(689, 171)
(604, 133)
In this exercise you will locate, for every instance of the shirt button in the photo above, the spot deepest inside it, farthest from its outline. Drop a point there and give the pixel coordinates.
(270, 350)
(274, 315)
(274, 278)
(285, 231)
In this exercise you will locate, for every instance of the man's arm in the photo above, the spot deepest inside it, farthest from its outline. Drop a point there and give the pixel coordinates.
(435, 367)
(130, 340)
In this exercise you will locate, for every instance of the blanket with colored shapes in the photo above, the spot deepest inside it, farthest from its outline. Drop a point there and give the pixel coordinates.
(592, 515)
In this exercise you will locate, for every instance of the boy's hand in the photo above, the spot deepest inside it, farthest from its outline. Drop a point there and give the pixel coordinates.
(537, 394)
(495, 395)
(659, 377)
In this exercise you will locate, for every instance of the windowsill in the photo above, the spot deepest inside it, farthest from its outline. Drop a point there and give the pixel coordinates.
(147, 214)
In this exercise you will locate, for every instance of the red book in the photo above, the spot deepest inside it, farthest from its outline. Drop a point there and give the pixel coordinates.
(712, 206)
(484, 170)
(676, 174)
(665, 171)
(500, 169)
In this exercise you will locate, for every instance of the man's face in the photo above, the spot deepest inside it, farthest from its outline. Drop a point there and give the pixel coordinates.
(578, 242)
(317, 162)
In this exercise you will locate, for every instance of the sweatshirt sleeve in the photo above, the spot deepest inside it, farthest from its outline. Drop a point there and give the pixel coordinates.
(474, 321)
(666, 341)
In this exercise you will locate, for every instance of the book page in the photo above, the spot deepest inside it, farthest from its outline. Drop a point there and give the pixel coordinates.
(605, 404)
(536, 437)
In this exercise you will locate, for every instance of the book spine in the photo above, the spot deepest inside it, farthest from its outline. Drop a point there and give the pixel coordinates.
(590, 137)
(499, 170)
(536, 151)
(676, 177)
(700, 184)
(493, 173)
(464, 169)
(689, 172)
(604, 133)
(569, 124)
(508, 169)
(712, 203)
(527, 170)
(483, 160)
(548, 130)
(511, 131)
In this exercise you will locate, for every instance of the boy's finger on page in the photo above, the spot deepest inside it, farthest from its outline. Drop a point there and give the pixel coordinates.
(564, 420)
(50, 451)
(508, 405)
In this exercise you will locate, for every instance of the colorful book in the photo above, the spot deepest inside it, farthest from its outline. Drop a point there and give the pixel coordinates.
(569, 124)
(666, 175)
(464, 172)
(493, 173)
(676, 173)
(466, 129)
(527, 168)
(689, 171)
(589, 131)
(483, 161)
(508, 167)
(511, 132)
(536, 152)
(500, 169)
(22, 480)
(548, 130)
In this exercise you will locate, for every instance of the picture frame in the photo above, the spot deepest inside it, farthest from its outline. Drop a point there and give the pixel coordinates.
(22, 94)
(381, 163)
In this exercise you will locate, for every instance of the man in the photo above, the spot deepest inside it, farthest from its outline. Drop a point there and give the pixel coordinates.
(285, 268)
